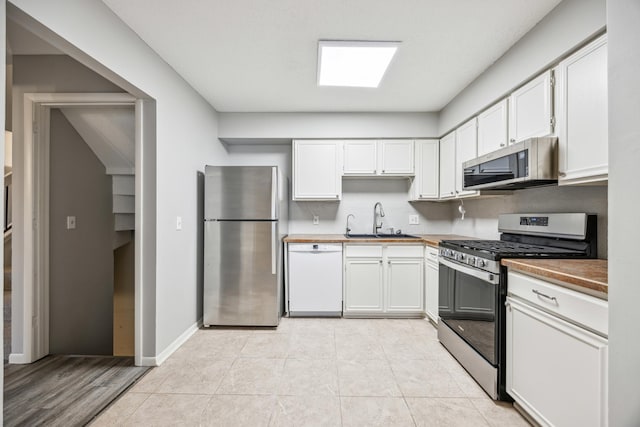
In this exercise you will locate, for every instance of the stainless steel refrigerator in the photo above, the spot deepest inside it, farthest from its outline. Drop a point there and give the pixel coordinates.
(245, 220)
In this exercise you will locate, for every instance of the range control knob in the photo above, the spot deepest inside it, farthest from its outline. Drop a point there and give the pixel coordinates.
(460, 257)
(482, 263)
(471, 260)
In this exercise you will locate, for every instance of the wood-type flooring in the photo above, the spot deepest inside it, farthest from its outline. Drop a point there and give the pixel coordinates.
(65, 390)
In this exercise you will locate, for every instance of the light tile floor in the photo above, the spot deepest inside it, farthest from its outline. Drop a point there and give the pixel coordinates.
(311, 372)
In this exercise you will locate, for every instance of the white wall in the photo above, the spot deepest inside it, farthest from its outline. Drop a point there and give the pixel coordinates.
(359, 195)
(2, 118)
(624, 204)
(80, 260)
(566, 26)
(481, 219)
(186, 135)
(283, 126)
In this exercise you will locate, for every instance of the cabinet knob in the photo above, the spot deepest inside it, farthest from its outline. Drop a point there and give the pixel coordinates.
(512, 140)
(503, 144)
(562, 174)
(380, 261)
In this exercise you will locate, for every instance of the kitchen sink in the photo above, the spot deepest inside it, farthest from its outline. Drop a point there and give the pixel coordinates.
(380, 236)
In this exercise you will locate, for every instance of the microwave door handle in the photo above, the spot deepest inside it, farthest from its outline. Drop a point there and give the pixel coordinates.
(479, 274)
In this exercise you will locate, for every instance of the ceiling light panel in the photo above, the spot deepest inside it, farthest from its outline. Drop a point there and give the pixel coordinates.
(354, 63)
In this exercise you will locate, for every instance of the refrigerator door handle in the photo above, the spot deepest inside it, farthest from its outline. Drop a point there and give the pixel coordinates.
(274, 248)
(274, 193)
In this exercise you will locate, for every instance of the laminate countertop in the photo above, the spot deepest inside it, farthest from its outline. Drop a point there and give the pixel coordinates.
(428, 239)
(584, 275)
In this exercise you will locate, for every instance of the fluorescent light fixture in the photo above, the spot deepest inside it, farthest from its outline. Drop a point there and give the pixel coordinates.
(353, 63)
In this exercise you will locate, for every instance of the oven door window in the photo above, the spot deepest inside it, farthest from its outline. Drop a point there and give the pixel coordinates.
(468, 306)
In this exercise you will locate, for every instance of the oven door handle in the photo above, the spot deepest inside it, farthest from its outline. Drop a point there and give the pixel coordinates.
(492, 278)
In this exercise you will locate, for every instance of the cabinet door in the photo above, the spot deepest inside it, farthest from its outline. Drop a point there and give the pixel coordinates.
(405, 286)
(317, 170)
(555, 370)
(431, 290)
(530, 109)
(425, 184)
(492, 128)
(363, 286)
(582, 115)
(360, 157)
(448, 166)
(396, 157)
(466, 149)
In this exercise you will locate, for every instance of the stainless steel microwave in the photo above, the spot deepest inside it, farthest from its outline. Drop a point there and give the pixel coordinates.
(529, 163)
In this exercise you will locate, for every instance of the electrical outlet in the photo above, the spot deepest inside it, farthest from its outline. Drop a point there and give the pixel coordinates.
(414, 220)
(71, 223)
(316, 220)
(178, 223)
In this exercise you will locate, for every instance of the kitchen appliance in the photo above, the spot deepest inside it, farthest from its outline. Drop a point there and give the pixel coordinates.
(529, 163)
(315, 279)
(245, 219)
(473, 286)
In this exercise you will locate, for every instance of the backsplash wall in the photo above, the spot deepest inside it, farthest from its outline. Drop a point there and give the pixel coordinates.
(359, 195)
(481, 219)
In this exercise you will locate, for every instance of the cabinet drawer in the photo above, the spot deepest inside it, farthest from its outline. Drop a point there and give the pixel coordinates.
(405, 251)
(431, 254)
(574, 306)
(368, 251)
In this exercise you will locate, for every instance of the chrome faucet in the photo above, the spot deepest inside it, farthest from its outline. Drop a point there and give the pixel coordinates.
(377, 227)
(349, 228)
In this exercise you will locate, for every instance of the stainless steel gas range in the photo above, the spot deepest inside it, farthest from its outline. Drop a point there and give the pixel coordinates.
(473, 285)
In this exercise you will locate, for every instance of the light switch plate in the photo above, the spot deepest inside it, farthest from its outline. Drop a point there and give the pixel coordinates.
(71, 223)
(414, 220)
(316, 220)
(178, 223)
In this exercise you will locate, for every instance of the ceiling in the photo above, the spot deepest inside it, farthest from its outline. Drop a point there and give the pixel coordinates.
(261, 55)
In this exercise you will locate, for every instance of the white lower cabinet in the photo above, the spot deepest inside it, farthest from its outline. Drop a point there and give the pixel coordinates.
(556, 370)
(431, 283)
(404, 285)
(364, 286)
(383, 280)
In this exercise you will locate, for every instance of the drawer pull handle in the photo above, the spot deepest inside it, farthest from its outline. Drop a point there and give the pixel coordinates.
(540, 294)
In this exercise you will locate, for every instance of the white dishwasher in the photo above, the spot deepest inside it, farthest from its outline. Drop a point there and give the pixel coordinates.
(315, 279)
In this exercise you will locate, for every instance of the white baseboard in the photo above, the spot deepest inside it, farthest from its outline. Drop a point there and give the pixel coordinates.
(18, 359)
(164, 355)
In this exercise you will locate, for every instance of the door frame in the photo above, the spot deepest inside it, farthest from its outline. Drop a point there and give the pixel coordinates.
(37, 108)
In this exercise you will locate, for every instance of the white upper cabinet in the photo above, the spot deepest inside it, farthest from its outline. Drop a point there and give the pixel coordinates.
(317, 170)
(466, 149)
(392, 157)
(360, 157)
(530, 109)
(448, 166)
(427, 167)
(582, 115)
(396, 157)
(492, 128)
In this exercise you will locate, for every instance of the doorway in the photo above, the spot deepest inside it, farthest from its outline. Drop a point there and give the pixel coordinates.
(36, 327)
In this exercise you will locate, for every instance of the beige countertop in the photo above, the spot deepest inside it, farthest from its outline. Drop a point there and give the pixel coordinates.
(586, 275)
(429, 239)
